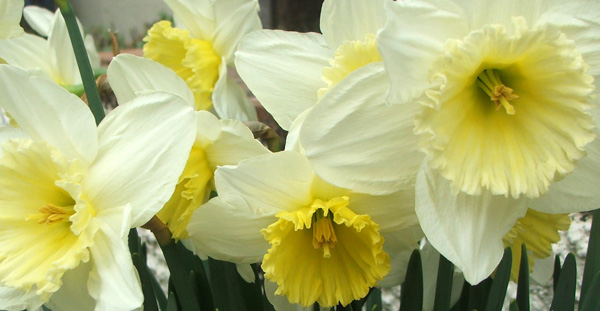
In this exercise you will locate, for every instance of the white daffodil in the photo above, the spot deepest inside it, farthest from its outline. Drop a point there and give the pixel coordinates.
(507, 118)
(69, 192)
(201, 47)
(10, 16)
(317, 242)
(53, 58)
(218, 142)
(303, 66)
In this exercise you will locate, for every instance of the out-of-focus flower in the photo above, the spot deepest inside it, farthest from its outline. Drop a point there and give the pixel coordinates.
(201, 47)
(317, 242)
(217, 143)
(53, 58)
(304, 66)
(508, 115)
(10, 16)
(70, 192)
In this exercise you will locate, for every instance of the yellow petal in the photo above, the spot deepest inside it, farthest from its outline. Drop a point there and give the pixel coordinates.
(338, 262)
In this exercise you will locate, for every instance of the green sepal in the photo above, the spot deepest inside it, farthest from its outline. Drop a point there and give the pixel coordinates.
(411, 291)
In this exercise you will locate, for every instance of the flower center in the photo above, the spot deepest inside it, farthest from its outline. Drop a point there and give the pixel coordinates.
(194, 60)
(538, 231)
(347, 58)
(489, 81)
(51, 214)
(323, 233)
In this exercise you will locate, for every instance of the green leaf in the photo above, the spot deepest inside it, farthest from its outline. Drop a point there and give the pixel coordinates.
(556, 274)
(592, 303)
(83, 62)
(374, 302)
(443, 288)
(564, 294)
(478, 295)
(172, 303)
(411, 292)
(523, 282)
(592, 262)
(230, 291)
(463, 302)
(500, 283)
(147, 288)
(179, 278)
(513, 306)
(201, 285)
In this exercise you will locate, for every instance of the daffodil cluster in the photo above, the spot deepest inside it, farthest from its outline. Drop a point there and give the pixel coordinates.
(469, 123)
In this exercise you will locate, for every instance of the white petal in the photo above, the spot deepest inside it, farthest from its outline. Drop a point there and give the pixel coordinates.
(412, 38)
(131, 75)
(580, 21)
(543, 270)
(230, 230)
(40, 19)
(281, 303)
(232, 146)
(391, 212)
(144, 146)
(246, 272)
(61, 52)
(268, 183)
(45, 111)
(9, 132)
(468, 230)
(10, 15)
(113, 281)
(233, 21)
(230, 100)
(196, 16)
(283, 70)
(30, 53)
(90, 47)
(356, 141)
(15, 300)
(73, 294)
(480, 13)
(350, 20)
(292, 141)
(399, 245)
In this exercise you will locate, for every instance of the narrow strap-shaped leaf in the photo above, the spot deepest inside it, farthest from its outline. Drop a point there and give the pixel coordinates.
(478, 295)
(443, 288)
(202, 287)
(411, 292)
(556, 273)
(463, 302)
(160, 295)
(146, 280)
(592, 262)
(592, 302)
(523, 282)
(513, 306)
(83, 62)
(172, 303)
(564, 294)
(500, 283)
(179, 278)
(230, 291)
(374, 302)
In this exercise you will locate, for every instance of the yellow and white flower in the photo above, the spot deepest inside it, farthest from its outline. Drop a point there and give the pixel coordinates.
(317, 242)
(508, 115)
(303, 66)
(217, 143)
(70, 191)
(51, 58)
(200, 47)
(10, 16)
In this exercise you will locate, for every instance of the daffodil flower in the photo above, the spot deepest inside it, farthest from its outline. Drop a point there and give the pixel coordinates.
(10, 16)
(53, 58)
(304, 66)
(70, 191)
(317, 242)
(508, 116)
(200, 48)
(217, 143)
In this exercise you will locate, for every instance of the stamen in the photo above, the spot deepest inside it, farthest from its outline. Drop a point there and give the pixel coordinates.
(50, 214)
(323, 233)
(489, 81)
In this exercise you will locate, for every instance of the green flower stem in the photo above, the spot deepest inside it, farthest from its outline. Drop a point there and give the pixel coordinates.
(85, 68)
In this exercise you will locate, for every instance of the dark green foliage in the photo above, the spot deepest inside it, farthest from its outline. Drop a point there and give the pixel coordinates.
(523, 282)
(411, 293)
